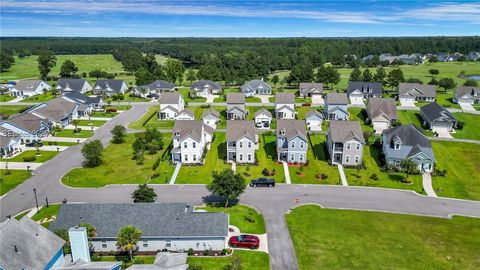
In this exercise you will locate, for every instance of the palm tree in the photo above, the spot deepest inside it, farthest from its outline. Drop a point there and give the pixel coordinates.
(143, 91)
(75, 122)
(127, 239)
(409, 166)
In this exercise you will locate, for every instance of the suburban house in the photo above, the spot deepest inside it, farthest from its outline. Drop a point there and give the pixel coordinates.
(30, 127)
(170, 105)
(467, 95)
(412, 92)
(242, 141)
(285, 105)
(185, 114)
(73, 85)
(336, 106)
(155, 87)
(381, 112)
(345, 142)
(29, 88)
(407, 142)
(292, 141)
(313, 120)
(358, 91)
(164, 226)
(437, 118)
(9, 142)
(204, 88)
(211, 118)
(110, 87)
(256, 87)
(59, 111)
(263, 119)
(236, 108)
(191, 139)
(310, 89)
(85, 104)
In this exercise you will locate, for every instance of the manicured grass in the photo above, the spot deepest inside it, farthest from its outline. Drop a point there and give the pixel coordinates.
(446, 100)
(46, 212)
(60, 143)
(302, 111)
(251, 260)
(317, 157)
(93, 123)
(360, 115)
(6, 98)
(344, 239)
(46, 96)
(119, 168)
(104, 114)
(214, 160)
(21, 215)
(119, 107)
(152, 110)
(71, 134)
(247, 219)
(471, 129)
(43, 157)
(462, 162)
(413, 117)
(159, 124)
(185, 93)
(7, 110)
(12, 179)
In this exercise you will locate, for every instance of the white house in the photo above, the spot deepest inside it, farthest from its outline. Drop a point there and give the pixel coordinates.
(263, 119)
(313, 120)
(242, 141)
(285, 105)
(59, 111)
(211, 118)
(110, 87)
(185, 114)
(9, 142)
(203, 88)
(29, 88)
(170, 105)
(191, 138)
(73, 85)
(30, 127)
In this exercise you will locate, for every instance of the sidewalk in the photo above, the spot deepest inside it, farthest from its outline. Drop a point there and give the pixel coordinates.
(49, 148)
(287, 173)
(63, 139)
(20, 165)
(82, 127)
(175, 173)
(342, 175)
(427, 185)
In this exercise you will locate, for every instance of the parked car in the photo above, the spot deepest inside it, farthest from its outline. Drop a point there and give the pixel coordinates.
(34, 144)
(262, 182)
(152, 96)
(244, 241)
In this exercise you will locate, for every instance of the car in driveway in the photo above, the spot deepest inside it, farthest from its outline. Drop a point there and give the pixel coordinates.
(244, 241)
(262, 182)
(152, 96)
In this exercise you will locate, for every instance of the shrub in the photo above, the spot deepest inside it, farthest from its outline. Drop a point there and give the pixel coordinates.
(111, 110)
(224, 251)
(439, 172)
(156, 163)
(265, 172)
(205, 106)
(155, 175)
(206, 252)
(374, 176)
(29, 159)
(249, 219)
(190, 252)
(324, 176)
(460, 125)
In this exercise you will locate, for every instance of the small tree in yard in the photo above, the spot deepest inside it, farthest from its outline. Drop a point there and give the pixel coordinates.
(118, 133)
(144, 194)
(75, 122)
(127, 239)
(236, 263)
(446, 83)
(409, 167)
(92, 152)
(227, 184)
(91, 231)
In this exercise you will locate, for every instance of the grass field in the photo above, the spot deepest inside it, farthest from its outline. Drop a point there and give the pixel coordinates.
(93, 123)
(344, 239)
(247, 219)
(471, 129)
(11, 180)
(360, 115)
(104, 114)
(119, 168)
(43, 157)
(6, 98)
(71, 134)
(7, 110)
(139, 123)
(413, 117)
(462, 162)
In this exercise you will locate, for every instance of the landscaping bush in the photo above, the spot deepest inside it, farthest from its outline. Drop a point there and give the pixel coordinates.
(77, 130)
(206, 252)
(190, 252)
(374, 176)
(156, 163)
(460, 125)
(109, 110)
(155, 175)
(265, 172)
(29, 159)
(249, 219)
(205, 106)
(439, 172)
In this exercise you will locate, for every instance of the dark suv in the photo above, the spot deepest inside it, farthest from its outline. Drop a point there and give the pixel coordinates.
(262, 182)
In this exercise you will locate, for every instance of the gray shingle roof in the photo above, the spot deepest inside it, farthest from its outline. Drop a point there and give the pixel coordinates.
(408, 135)
(81, 98)
(191, 128)
(235, 98)
(115, 85)
(199, 85)
(337, 98)
(416, 89)
(169, 98)
(159, 85)
(211, 112)
(263, 111)
(239, 128)
(342, 131)
(27, 121)
(306, 88)
(292, 128)
(253, 85)
(72, 84)
(365, 87)
(437, 113)
(467, 90)
(284, 98)
(188, 112)
(153, 219)
(312, 113)
(56, 109)
(27, 85)
(382, 106)
(36, 245)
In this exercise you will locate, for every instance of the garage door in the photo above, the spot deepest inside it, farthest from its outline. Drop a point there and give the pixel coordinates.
(440, 129)
(379, 126)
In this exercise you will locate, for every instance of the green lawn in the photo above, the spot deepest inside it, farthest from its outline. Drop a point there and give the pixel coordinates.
(247, 219)
(6, 98)
(462, 162)
(71, 134)
(60, 143)
(104, 114)
(185, 93)
(12, 179)
(151, 112)
(7, 110)
(317, 157)
(93, 123)
(251, 260)
(43, 157)
(360, 115)
(471, 129)
(46, 212)
(413, 117)
(302, 111)
(118, 107)
(446, 100)
(40, 98)
(344, 239)
(119, 168)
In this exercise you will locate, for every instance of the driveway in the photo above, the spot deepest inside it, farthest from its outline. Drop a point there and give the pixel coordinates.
(466, 107)
(407, 103)
(317, 100)
(264, 98)
(443, 133)
(210, 98)
(356, 101)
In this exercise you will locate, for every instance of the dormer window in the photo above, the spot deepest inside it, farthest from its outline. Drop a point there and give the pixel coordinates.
(282, 132)
(396, 146)
(177, 133)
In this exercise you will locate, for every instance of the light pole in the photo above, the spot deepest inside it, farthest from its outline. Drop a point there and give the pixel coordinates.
(36, 200)
(46, 201)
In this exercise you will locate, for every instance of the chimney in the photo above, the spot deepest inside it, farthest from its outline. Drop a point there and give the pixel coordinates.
(79, 243)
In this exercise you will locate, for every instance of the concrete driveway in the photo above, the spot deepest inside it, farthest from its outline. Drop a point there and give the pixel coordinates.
(317, 100)
(407, 103)
(442, 133)
(234, 231)
(356, 101)
(264, 98)
(466, 106)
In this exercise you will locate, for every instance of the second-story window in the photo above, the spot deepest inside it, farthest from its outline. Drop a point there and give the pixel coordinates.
(301, 144)
(397, 146)
(185, 145)
(249, 144)
(194, 144)
(348, 146)
(358, 146)
(293, 144)
(240, 145)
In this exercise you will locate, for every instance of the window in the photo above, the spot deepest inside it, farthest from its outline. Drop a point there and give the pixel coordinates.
(194, 144)
(241, 157)
(168, 244)
(292, 157)
(194, 157)
(301, 144)
(347, 159)
(185, 145)
(186, 158)
(177, 133)
(293, 144)
(397, 146)
(104, 244)
(301, 157)
(348, 146)
(145, 243)
(240, 145)
(358, 146)
(249, 144)
(357, 159)
(249, 157)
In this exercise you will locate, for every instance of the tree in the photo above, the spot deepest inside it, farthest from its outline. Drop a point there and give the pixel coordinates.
(64, 235)
(132, 60)
(75, 122)
(95, 74)
(327, 75)
(470, 82)
(92, 152)
(227, 184)
(414, 80)
(302, 72)
(144, 194)
(235, 264)
(191, 75)
(433, 59)
(127, 239)
(409, 167)
(46, 60)
(68, 69)
(91, 231)
(380, 75)
(275, 80)
(6, 59)
(143, 76)
(433, 81)
(356, 75)
(173, 69)
(447, 83)
(118, 133)
(395, 77)
(433, 72)
(367, 76)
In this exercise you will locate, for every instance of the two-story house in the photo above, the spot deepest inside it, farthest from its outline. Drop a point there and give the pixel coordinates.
(285, 105)
(191, 139)
(242, 141)
(292, 141)
(345, 142)
(170, 105)
(407, 142)
(73, 85)
(203, 88)
(438, 119)
(29, 88)
(336, 106)
(381, 112)
(358, 91)
(409, 93)
(236, 109)
(110, 87)
(256, 87)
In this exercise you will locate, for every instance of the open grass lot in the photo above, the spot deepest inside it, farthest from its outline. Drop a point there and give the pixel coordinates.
(462, 162)
(214, 160)
(344, 239)
(119, 168)
(43, 157)
(6, 98)
(317, 157)
(7, 110)
(413, 117)
(93, 123)
(104, 114)
(71, 134)
(12, 179)
(251, 260)
(471, 129)
(247, 219)
(151, 112)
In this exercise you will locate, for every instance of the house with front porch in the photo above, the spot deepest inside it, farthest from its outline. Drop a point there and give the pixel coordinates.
(242, 141)
(358, 91)
(9, 142)
(467, 95)
(310, 89)
(437, 118)
(29, 88)
(381, 112)
(413, 92)
(191, 140)
(256, 87)
(336, 106)
(345, 143)
(203, 88)
(85, 104)
(263, 119)
(170, 105)
(236, 109)
(285, 105)
(292, 141)
(407, 142)
(66, 85)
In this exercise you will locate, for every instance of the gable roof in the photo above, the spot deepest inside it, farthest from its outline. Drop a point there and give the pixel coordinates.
(67, 84)
(407, 135)
(114, 85)
(81, 98)
(292, 128)
(253, 85)
(313, 113)
(169, 98)
(153, 219)
(199, 85)
(55, 109)
(365, 87)
(237, 129)
(212, 112)
(263, 111)
(437, 113)
(28, 85)
(191, 128)
(27, 121)
(187, 111)
(416, 89)
(159, 85)
(283, 97)
(235, 98)
(306, 88)
(82, 265)
(471, 91)
(341, 131)
(36, 245)
(382, 106)
(337, 98)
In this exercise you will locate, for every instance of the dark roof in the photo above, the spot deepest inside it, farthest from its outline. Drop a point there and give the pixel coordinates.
(337, 98)
(437, 113)
(235, 98)
(81, 98)
(341, 131)
(365, 87)
(237, 129)
(159, 85)
(283, 97)
(153, 219)
(467, 90)
(382, 106)
(199, 85)
(115, 85)
(55, 109)
(27, 121)
(292, 128)
(72, 84)
(251, 86)
(169, 98)
(416, 89)
(407, 135)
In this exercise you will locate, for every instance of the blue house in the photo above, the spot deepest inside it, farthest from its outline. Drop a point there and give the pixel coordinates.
(336, 106)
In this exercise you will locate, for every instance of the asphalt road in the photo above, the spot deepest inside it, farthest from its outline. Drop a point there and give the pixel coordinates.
(273, 203)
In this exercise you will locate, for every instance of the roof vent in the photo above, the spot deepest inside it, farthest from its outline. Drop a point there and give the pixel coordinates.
(16, 249)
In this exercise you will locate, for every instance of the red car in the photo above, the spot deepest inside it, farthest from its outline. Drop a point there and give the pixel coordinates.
(244, 241)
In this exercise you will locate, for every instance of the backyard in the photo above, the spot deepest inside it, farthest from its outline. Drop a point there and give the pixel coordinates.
(471, 129)
(10, 180)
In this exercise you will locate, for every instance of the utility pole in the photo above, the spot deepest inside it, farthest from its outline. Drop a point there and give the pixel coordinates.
(36, 201)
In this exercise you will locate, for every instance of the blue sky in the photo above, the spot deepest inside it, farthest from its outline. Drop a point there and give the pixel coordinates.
(118, 18)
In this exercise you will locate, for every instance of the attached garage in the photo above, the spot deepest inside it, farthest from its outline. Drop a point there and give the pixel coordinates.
(379, 126)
